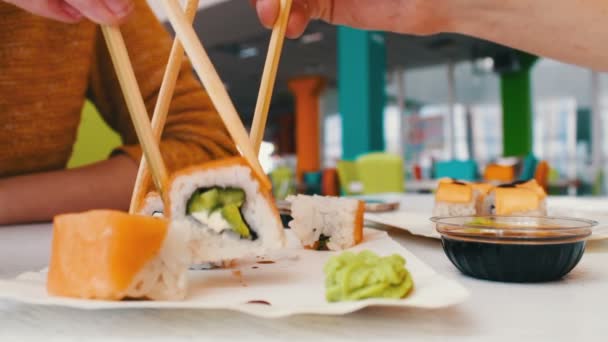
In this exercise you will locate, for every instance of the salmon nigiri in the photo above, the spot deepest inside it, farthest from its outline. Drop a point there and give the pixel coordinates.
(111, 255)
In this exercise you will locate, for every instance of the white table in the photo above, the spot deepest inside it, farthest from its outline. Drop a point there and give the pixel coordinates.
(575, 309)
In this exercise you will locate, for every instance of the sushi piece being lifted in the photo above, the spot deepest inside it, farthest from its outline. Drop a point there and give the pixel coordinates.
(327, 223)
(228, 211)
(110, 255)
(454, 198)
(520, 198)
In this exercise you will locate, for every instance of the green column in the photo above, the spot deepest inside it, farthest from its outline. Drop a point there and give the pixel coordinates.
(517, 114)
(361, 90)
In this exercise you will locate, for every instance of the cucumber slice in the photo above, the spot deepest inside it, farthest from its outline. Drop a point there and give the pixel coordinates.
(204, 202)
(232, 196)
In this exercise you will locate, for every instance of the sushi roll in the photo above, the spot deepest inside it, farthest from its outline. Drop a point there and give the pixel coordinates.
(483, 190)
(227, 209)
(327, 223)
(110, 255)
(532, 185)
(152, 205)
(454, 198)
(513, 200)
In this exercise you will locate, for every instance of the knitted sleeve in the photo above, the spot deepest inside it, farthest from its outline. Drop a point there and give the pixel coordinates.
(194, 132)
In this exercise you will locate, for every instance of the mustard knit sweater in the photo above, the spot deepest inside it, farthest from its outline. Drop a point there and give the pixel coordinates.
(48, 69)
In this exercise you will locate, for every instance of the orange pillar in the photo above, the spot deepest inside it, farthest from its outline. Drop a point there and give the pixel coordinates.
(307, 91)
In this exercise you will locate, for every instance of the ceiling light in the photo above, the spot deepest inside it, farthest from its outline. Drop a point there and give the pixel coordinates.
(310, 38)
(248, 52)
(483, 65)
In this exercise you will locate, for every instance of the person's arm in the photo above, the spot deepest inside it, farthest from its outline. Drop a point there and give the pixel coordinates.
(38, 197)
(566, 30)
(570, 31)
(194, 132)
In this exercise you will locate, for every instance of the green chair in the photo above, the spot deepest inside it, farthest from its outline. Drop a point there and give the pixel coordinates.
(95, 140)
(598, 184)
(283, 182)
(347, 175)
(381, 173)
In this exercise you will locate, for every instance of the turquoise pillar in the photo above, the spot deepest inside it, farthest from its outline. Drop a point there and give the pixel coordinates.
(361, 90)
(517, 108)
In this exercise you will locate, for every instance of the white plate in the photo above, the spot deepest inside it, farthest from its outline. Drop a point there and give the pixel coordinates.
(592, 208)
(414, 217)
(294, 284)
(415, 222)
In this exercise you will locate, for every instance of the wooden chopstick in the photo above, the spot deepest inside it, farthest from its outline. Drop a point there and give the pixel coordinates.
(136, 106)
(162, 108)
(269, 75)
(214, 86)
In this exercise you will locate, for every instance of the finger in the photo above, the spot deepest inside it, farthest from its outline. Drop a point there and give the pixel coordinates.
(103, 12)
(53, 9)
(298, 19)
(70, 11)
(268, 11)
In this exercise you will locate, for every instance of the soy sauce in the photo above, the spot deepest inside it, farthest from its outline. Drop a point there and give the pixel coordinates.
(514, 262)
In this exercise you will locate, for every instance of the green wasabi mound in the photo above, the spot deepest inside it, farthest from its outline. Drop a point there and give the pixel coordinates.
(350, 277)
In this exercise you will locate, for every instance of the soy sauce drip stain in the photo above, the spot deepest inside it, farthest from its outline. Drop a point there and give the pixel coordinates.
(239, 275)
(262, 302)
(265, 262)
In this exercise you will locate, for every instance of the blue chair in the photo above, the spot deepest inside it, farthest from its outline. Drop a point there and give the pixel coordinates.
(458, 169)
(528, 169)
(313, 183)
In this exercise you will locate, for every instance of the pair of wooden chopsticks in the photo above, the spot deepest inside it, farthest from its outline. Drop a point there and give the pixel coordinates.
(149, 135)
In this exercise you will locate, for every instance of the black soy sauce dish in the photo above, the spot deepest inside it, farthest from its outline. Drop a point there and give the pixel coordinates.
(514, 248)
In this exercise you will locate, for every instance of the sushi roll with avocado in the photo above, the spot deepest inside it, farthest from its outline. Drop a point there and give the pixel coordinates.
(227, 209)
(454, 198)
(515, 199)
(327, 223)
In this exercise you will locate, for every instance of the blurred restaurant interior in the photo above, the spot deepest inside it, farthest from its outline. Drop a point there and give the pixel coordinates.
(349, 105)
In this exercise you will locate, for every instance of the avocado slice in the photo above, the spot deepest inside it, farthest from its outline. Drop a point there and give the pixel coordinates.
(232, 215)
(204, 201)
(232, 196)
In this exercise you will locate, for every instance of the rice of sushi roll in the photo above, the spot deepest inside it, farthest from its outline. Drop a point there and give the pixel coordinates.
(152, 205)
(327, 223)
(227, 209)
(483, 190)
(455, 199)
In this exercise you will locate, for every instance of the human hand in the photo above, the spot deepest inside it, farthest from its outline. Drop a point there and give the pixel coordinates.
(72, 11)
(405, 16)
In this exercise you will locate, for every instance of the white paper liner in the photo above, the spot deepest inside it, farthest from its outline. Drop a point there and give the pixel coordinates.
(293, 284)
(415, 222)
